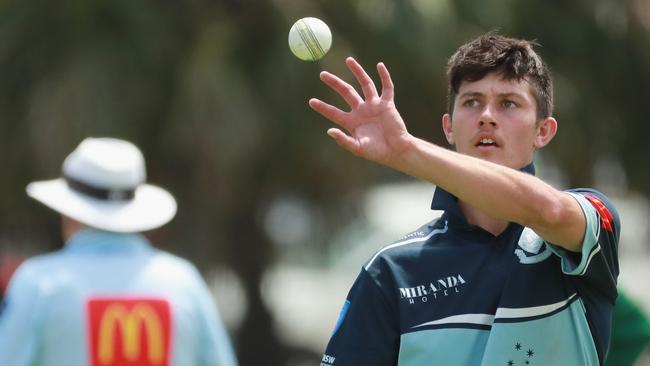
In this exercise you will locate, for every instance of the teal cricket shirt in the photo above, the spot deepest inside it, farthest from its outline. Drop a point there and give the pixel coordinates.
(110, 299)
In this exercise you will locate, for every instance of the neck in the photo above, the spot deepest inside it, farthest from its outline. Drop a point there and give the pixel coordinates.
(482, 220)
(69, 227)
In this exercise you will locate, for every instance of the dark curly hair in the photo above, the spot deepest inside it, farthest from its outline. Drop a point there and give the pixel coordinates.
(515, 59)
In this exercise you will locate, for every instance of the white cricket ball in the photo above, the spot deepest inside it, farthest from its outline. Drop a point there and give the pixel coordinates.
(310, 39)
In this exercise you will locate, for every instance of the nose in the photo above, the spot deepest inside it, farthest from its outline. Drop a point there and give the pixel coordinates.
(487, 117)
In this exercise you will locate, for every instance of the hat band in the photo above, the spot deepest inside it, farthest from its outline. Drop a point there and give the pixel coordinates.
(100, 193)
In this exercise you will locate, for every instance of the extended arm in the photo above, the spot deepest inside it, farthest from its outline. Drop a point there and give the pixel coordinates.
(378, 133)
(500, 192)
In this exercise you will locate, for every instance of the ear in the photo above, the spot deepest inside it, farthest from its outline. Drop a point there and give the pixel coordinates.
(545, 132)
(448, 128)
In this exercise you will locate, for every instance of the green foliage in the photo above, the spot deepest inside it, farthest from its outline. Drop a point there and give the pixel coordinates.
(212, 94)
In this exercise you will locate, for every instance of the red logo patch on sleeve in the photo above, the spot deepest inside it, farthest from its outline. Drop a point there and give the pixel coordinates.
(129, 331)
(606, 217)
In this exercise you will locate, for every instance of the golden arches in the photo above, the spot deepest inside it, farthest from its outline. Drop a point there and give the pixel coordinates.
(129, 322)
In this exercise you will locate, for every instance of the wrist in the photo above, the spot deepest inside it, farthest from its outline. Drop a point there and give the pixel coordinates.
(405, 152)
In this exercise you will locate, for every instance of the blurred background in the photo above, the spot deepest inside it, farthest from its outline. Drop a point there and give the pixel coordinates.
(277, 217)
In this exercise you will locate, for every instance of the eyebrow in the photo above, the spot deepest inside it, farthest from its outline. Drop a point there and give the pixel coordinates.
(501, 95)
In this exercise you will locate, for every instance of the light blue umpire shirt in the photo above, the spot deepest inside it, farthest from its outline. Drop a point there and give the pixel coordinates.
(109, 298)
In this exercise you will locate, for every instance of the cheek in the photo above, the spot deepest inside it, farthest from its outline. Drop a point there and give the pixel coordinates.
(463, 114)
(460, 133)
(523, 124)
(526, 139)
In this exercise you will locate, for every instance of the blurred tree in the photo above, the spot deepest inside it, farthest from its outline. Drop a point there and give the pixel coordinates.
(212, 94)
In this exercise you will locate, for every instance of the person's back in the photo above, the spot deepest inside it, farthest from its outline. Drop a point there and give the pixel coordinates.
(110, 298)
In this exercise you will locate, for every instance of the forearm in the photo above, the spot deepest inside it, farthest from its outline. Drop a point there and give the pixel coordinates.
(498, 191)
(378, 133)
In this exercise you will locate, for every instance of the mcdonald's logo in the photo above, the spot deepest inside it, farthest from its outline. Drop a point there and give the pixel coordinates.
(129, 331)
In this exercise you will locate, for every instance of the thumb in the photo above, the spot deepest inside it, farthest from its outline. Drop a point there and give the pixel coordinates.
(347, 142)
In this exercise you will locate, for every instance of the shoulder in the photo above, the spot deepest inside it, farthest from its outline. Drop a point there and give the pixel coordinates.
(172, 266)
(40, 266)
(592, 194)
(406, 247)
(594, 201)
(594, 197)
(36, 274)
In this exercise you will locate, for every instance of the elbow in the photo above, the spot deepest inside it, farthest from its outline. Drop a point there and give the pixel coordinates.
(561, 222)
(554, 212)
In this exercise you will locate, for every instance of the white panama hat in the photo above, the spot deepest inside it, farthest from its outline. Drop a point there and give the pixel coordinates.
(103, 186)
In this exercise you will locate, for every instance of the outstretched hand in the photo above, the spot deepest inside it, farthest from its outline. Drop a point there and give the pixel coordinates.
(376, 129)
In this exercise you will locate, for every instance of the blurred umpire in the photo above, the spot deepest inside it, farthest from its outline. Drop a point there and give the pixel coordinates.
(108, 297)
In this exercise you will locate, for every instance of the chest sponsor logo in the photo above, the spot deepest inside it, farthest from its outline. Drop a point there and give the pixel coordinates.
(434, 290)
(129, 332)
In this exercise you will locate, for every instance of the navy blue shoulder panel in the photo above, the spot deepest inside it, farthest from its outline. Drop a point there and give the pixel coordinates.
(405, 246)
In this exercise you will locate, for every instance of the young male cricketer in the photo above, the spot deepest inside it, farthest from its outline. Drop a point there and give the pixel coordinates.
(515, 272)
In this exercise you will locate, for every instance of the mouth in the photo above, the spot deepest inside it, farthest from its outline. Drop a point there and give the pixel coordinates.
(486, 142)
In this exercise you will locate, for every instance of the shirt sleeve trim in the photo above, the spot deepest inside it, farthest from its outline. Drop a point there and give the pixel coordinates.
(590, 245)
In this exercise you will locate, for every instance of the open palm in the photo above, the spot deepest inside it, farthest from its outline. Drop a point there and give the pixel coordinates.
(377, 131)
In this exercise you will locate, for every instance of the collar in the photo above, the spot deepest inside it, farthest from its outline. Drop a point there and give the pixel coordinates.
(445, 201)
(104, 242)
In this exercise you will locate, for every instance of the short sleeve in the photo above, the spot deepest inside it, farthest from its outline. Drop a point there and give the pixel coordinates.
(18, 326)
(597, 264)
(367, 332)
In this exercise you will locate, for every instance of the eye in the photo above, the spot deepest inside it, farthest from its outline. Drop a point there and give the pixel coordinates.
(509, 104)
(472, 102)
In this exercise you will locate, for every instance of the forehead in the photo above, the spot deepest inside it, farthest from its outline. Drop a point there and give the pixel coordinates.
(495, 84)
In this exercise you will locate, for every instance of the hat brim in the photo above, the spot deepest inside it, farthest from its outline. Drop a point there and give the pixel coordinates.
(150, 208)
